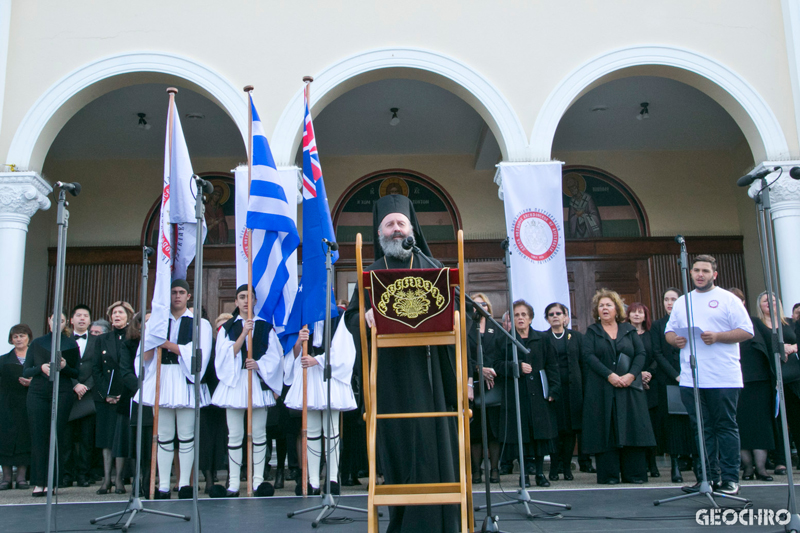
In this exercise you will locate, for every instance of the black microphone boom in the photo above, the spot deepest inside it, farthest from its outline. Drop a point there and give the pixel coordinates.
(747, 179)
(206, 186)
(332, 245)
(679, 239)
(408, 242)
(73, 188)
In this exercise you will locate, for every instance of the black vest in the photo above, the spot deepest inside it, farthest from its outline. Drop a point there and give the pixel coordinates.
(233, 329)
(184, 337)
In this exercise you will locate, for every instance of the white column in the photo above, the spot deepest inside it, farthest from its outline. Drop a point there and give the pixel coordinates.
(785, 202)
(21, 195)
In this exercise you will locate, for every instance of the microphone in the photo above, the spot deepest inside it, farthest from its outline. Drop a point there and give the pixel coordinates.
(408, 243)
(204, 185)
(795, 173)
(73, 188)
(747, 179)
(680, 240)
(149, 251)
(332, 245)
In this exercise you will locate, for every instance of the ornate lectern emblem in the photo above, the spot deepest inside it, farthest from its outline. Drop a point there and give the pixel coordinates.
(410, 299)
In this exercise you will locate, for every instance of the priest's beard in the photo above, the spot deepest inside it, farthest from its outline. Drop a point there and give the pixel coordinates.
(393, 247)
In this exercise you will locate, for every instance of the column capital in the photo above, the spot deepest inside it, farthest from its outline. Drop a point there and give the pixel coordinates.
(21, 195)
(784, 189)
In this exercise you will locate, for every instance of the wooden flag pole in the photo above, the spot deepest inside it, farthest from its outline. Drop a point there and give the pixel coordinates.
(304, 430)
(251, 464)
(172, 91)
(307, 80)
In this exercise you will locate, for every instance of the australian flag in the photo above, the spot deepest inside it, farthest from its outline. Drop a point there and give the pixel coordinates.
(309, 306)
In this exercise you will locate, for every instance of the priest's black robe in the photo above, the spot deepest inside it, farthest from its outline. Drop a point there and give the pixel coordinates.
(420, 450)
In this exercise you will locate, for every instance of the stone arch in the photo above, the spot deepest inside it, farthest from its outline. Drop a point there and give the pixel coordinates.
(750, 111)
(422, 65)
(63, 99)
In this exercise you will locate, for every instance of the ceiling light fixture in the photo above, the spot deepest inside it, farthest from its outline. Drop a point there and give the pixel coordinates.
(195, 116)
(600, 107)
(644, 113)
(395, 119)
(143, 125)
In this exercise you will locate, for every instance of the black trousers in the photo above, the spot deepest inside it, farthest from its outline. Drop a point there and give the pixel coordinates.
(628, 462)
(791, 392)
(80, 435)
(39, 419)
(563, 455)
(721, 431)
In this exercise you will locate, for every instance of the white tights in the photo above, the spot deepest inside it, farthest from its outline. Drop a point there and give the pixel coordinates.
(236, 436)
(166, 446)
(316, 422)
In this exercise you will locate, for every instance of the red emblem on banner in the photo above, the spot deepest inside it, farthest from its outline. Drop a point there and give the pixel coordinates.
(536, 235)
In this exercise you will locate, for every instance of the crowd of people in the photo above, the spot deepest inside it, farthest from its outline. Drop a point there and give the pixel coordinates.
(620, 392)
(98, 409)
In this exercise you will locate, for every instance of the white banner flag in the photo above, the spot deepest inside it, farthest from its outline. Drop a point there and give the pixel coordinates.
(535, 228)
(242, 188)
(177, 229)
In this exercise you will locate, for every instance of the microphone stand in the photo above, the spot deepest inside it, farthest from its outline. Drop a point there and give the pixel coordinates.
(705, 488)
(522, 495)
(327, 502)
(135, 502)
(55, 347)
(769, 260)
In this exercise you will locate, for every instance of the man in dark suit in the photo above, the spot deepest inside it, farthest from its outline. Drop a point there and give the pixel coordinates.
(81, 427)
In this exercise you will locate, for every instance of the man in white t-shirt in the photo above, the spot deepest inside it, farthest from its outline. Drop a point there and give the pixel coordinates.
(724, 323)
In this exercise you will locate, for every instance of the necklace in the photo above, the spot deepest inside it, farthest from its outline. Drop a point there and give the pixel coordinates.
(411, 265)
(556, 336)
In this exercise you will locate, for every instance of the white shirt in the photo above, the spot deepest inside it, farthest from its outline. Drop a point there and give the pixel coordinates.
(82, 342)
(716, 310)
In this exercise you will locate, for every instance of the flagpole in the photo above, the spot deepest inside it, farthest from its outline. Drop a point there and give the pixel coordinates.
(172, 91)
(307, 80)
(251, 464)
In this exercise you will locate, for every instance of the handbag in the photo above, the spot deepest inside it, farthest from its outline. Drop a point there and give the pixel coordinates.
(83, 407)
(493, 397)
(624, 363)
(675, 404)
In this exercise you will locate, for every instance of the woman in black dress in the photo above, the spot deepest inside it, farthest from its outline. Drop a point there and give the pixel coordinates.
(675, 436)
(639, 317)
(567, 345)
(15, 446)
(790, 368)
(539, 388)
(754, 410)
(40, 399)
(616, 423)
(112, 401)
(492, 344)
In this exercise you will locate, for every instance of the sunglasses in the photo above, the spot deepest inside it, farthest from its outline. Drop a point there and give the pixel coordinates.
(556, 313)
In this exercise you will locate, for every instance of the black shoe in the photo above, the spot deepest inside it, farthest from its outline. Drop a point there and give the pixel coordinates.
(691, 488)
(66, 481)
(347, 481)
(541, 481)
(268, 473)
(612, 481)
(677, 477)
(554, 476)
(476, 477)
(765, 477)
(279, 473)
(231, 494)
(655, 473)
(568, 475)
(120, 491)
(530, 469)
(527, 482)
(103, 490)
(82, 481)
(362, 473)
(494, 476)
(335, 490)
(311, 491)
(294, 474)
(636, 481)
(265, 490)
(747, 478)
(185, 493)
(589, 469)
(506, 469)
(728, 487)
(163, 495)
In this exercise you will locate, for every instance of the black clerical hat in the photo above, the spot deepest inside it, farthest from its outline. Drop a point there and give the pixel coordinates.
(396, 203)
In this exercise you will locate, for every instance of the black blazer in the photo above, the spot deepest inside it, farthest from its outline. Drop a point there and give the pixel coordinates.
(107, 364)
(538, 415)
(39, 354)
(85, 369)
(666, 355)
(574, 341)
(602, 400)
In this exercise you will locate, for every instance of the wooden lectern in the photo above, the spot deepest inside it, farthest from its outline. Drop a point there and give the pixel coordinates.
(425, 299)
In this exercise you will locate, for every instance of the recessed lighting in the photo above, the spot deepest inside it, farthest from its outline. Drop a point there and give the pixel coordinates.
(600, 108)
(195, 116)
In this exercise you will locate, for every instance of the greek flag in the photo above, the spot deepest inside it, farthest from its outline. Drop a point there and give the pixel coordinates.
(274, 236)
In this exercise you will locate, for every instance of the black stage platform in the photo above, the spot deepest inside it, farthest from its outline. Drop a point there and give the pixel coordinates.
(612, 509)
